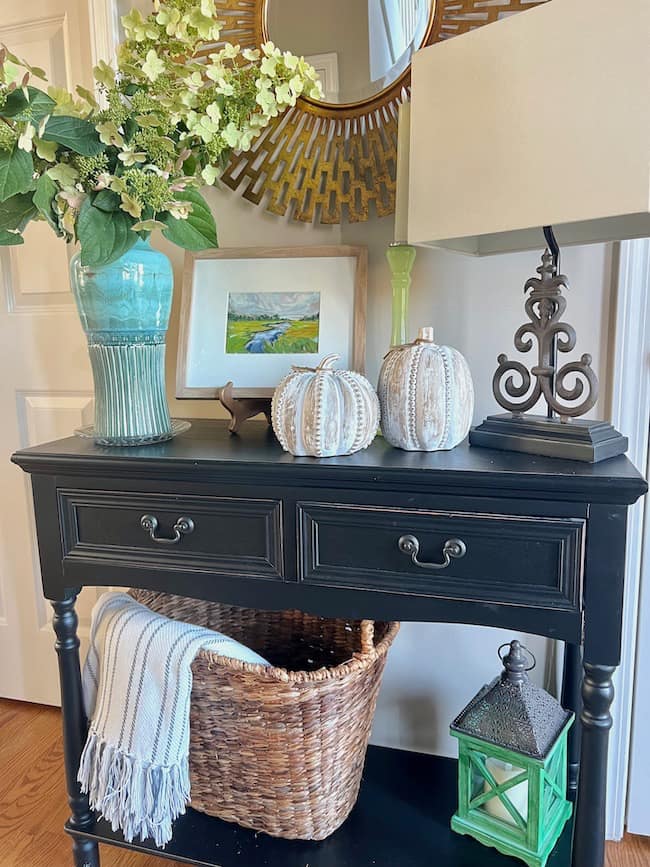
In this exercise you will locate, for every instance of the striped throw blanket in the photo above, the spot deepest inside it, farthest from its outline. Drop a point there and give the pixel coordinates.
(137, 681)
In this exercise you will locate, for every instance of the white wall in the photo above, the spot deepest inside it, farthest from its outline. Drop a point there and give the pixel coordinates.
(475, 305)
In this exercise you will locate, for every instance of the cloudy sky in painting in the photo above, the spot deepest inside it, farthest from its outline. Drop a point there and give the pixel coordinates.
(292, 305)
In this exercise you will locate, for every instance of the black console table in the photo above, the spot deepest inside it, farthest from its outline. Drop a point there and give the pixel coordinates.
(545, 553)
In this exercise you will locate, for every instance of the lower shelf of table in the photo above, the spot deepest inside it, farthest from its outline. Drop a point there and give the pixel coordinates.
(400, 820)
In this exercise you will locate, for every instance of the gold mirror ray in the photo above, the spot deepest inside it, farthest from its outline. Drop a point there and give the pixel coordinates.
(332, 163)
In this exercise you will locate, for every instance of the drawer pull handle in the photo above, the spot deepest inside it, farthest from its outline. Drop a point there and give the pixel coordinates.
(180, 528)
(453, 549)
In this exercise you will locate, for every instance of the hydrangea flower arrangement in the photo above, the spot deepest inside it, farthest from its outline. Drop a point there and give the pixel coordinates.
(104, 170)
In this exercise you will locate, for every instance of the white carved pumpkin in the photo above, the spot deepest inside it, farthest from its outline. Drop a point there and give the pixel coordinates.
(324, 412)
(426, 396)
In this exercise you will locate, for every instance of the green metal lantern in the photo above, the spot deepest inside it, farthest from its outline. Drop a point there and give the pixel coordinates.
(512, 764)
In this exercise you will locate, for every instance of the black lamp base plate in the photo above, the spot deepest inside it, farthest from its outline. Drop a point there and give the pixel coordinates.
(585, 440)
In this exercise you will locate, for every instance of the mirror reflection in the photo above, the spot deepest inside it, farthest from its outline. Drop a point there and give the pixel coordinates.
(359, 47)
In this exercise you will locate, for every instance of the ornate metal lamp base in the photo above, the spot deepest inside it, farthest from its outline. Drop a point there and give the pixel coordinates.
(569, 390)
(579, 440)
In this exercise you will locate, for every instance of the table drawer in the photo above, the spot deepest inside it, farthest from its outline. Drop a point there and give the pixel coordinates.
(220, 534)
(508, 559)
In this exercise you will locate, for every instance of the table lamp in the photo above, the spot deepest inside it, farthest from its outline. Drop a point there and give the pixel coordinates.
(537, 126)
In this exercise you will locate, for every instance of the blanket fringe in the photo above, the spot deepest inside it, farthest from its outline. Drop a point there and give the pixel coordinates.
(140, 799)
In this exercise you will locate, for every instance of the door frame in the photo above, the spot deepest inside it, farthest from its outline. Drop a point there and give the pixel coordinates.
(104, 29)
(630, 390)
(638, 808)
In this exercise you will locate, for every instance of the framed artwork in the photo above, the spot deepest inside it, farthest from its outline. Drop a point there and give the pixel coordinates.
(248, 314)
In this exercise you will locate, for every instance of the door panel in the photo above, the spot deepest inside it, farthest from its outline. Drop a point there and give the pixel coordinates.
(46, 386)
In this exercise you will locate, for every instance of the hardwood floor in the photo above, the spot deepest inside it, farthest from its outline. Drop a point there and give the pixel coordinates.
(33, 805)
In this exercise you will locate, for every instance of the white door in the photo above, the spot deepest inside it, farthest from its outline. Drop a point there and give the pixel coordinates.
(629, 755)
(45, 384)
(638, 808)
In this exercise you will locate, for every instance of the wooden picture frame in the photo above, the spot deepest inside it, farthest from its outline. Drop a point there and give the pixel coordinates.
(191, 374)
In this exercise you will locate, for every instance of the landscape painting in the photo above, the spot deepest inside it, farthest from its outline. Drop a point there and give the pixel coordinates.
(277, 322)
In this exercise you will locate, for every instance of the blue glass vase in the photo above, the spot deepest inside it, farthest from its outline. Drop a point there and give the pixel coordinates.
(124, 309)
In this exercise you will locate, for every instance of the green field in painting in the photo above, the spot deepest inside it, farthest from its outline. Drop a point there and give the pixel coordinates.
(301, 337)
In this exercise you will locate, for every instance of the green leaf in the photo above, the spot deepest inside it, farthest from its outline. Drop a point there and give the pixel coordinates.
(87, 95)
(16, 173)
(189, 166)
(16, 212)
(224, 158)
(130, 128)
(199, 231)
(15, 103)
(106, 200)
(74, 133)
(103, 236)
(8, 239)
(43, 199)
(33, 107)
(36, 71)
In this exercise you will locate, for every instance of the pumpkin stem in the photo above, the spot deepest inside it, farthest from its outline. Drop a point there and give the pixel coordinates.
(324, 366)
(425, 335)
(327, 362)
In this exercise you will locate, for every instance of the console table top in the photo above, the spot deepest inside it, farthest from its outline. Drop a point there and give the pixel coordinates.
(209, 446)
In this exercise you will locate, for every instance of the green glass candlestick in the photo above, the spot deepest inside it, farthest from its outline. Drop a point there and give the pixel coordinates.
(400, 259)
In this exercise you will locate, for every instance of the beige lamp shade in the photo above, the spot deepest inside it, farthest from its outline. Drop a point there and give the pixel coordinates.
(542, 118)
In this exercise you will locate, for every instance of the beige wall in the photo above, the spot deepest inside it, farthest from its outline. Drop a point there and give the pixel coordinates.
(475, 305)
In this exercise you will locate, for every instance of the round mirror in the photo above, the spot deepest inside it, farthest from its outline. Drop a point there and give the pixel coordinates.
(359, 47)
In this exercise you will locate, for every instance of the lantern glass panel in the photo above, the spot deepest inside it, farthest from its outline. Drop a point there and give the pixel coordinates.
(494, 791)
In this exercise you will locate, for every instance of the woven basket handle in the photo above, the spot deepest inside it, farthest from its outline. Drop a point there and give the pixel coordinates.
(367, 636)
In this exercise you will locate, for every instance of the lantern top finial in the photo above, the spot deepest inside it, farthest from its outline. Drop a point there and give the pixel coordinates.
(511, 711)
(515, 662)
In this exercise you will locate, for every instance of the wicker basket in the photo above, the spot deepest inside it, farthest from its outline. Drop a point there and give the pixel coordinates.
(278, 749)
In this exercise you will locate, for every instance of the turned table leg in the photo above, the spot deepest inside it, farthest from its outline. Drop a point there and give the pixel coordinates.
(589, 829)
(572, 700)
(75, 724)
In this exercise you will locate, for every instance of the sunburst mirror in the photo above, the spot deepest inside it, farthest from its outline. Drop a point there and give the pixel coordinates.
(334, 161)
